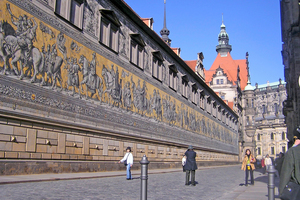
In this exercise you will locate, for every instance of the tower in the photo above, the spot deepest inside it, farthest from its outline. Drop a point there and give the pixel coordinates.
(165, 32)
(223, 47)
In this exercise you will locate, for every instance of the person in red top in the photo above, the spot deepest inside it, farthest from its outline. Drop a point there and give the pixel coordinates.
(263, 166)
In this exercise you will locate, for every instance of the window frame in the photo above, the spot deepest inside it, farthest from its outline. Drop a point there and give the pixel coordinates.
(137, 49)
(173, 77)
(185, 86)
(109, 35)
(157, 63)
(64, 9)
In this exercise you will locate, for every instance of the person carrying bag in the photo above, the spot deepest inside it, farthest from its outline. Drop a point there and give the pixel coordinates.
(128, 162)
(289, 185)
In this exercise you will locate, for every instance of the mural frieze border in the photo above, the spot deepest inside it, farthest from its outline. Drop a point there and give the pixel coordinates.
(42, 99)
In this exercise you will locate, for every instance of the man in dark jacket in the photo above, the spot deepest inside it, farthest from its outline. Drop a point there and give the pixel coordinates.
(290, 170)
(190, 166)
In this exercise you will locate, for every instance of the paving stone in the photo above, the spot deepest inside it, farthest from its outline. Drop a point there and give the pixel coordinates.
(213, 183)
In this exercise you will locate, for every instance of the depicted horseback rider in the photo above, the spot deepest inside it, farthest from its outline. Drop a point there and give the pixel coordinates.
(28, 36)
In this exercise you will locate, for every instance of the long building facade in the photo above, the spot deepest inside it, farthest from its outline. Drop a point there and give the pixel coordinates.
(82, 80)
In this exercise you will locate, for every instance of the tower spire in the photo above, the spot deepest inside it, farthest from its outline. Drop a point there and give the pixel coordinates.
(223, 48)
(165, 32)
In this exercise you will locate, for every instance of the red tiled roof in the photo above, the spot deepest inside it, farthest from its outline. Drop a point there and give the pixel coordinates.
(147, 21)
(191, 64)
(176, 50)
(230, 68)
(230, 104)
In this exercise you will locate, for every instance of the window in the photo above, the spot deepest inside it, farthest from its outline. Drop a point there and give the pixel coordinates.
(276, 108)
(194, 94)
(137, 50)
(252, 103)
(70, 10)
(185, 86)
(222, 81)
(272, 136)
(202, 100)
(157, 65)
(223, 97)
(173, 78)
(247, 103)
(109, 29)
(272, 150)
(247, 122)
(283, 149)
(258, 151)
(283, 135)
(258, 137)
(218, 81)
(263, 109)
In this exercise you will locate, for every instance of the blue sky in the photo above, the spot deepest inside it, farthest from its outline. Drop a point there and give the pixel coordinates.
(253, 26)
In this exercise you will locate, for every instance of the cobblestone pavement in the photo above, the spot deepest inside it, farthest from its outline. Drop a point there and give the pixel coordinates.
(212, 184)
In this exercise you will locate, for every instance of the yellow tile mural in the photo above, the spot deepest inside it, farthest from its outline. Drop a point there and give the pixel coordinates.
(34, 51)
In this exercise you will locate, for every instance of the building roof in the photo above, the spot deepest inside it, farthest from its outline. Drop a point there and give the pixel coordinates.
(271, 84)
(230, 67)
(192, 64)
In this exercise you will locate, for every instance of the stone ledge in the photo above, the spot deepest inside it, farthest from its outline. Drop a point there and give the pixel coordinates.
(19, 167)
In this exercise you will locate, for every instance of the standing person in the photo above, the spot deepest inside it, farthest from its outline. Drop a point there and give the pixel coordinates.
(129, 162)
(290, 171)
(248, 166)
(190, 166)
(268, 161)
(263, 166)
(278, 162)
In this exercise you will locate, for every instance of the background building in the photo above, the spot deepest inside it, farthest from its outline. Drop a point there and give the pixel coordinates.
(264, 122)
(228, 78)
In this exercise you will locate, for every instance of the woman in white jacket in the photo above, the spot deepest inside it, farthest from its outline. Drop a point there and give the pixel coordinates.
(129, 162)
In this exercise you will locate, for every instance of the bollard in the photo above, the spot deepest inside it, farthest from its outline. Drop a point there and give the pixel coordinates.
(271, 182)
(144, 177)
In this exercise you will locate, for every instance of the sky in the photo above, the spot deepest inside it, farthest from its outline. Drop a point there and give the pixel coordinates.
(253, 26)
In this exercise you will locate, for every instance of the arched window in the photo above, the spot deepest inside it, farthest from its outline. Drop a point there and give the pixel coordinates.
(283, 135)
(272, 136)
(263, 109)
(276, 108)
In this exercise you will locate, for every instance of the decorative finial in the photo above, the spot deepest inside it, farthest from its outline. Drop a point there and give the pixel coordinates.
(222, 19)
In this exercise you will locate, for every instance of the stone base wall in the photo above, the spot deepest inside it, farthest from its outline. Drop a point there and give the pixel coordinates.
(30, 148)
(17, 167)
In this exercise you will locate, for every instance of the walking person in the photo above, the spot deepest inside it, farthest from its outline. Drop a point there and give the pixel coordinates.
(268, 161)
(290, 172)
(190, 166)
(128, 162)
(263, 166)
(278, 163)
(248, 166)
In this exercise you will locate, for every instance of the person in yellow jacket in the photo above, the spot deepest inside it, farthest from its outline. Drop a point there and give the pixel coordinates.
(248, 166)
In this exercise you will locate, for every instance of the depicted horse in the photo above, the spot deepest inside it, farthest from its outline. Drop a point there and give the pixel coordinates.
(92, 81)
(10, 48)
(5, 30)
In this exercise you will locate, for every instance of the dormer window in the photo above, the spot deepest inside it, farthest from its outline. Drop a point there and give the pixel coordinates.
(137, 50)
(109, 30)
(185, 86)
(157, 65)
(71, 11)
(173, 78)
(194, 93)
